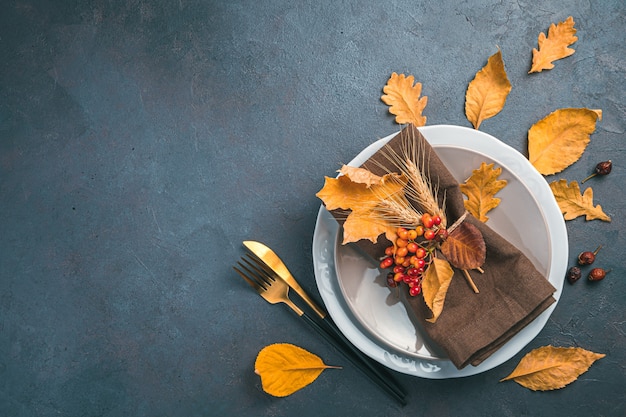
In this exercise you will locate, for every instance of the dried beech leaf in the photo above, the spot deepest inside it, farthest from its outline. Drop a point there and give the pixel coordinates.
(465, 247)
(363, 201)
(404, 99)
(548, 368)
(435, 285)
(480, 189)
(554, 46)
(559, 139)
(573, 204)
(286, 368)
(487, 92)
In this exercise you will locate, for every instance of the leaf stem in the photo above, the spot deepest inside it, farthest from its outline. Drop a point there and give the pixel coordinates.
(470, 281)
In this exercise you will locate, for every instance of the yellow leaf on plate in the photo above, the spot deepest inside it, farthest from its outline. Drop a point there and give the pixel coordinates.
(286, 368)
(364, 198)
(403, 99)
(554, 46)
(487, 92)
(573, 204)
(435, 285)
(559, 139)
(480, 189)
(548, 367)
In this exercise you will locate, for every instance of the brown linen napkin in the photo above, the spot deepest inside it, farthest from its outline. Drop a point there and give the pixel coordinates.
(512, 292)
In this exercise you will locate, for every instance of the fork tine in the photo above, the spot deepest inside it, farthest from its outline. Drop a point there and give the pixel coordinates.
(261, 272)
(252, 283)
(252, 277)
(269, 272)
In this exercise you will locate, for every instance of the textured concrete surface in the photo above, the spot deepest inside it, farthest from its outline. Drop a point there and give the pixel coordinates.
(142, 141)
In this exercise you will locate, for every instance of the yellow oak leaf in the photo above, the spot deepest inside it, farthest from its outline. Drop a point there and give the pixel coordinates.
(573, 204)
(435, 285)
(487, 92)
(403, 99)
(365, 203)
(285, 368)
(549, 368)
(559, 139)
(480, 189)
(554, 46)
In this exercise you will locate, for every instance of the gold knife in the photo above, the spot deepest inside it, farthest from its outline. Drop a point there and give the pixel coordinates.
(272, 260)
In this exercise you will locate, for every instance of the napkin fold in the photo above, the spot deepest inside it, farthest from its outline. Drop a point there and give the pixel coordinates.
(512, 291)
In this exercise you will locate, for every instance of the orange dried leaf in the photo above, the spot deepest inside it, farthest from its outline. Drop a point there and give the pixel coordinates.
(573, 204)
(285, 368)
(403, 99)
(559, 139)
(360, 175)
(364, 224)
(465, 247)
(548, 367)
(554, 46)
(363, 201)
(487, 92)
(435, 285)
(480, 189)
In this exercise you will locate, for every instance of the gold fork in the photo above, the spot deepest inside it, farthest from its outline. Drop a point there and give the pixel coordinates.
(275, 291)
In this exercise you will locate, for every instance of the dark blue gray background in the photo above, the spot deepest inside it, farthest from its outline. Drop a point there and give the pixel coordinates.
(142, 141)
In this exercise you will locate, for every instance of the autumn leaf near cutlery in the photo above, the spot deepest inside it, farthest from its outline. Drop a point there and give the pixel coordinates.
(285, 368)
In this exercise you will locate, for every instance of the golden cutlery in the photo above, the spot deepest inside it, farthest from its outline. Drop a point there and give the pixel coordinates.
(269, 258)
(274, 290)
(272, 265)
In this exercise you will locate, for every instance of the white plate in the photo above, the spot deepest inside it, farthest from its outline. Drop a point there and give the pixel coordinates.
(376, 322)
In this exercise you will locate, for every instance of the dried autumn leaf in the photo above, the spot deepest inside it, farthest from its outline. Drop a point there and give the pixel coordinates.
(559, 139)
(360, 175)
(363, 201)
(554, 46)
(465, 247)
(286, 368)
(435, 285)
(404, 99)
(487, 92)
(480, 189)
(573, 204)
(548, 367)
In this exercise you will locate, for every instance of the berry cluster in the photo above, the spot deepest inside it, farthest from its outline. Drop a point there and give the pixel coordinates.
(412, 252)
(586, 258)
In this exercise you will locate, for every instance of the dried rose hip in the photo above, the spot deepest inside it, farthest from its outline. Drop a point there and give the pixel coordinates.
(597, 274)
(603, 168)
(588, 257)
(573, 274)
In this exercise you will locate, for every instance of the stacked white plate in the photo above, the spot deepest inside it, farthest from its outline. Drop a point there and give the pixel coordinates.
(375, 319)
